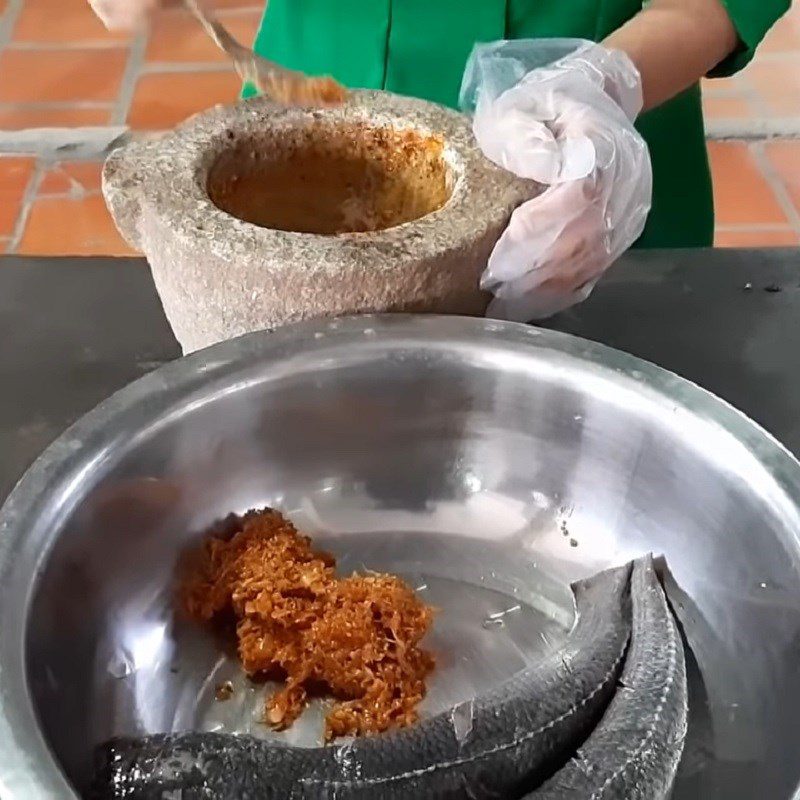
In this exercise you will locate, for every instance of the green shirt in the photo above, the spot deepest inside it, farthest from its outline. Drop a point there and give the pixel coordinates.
(420, 48)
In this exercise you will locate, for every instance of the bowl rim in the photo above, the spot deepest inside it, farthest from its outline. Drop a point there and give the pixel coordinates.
(28, 769)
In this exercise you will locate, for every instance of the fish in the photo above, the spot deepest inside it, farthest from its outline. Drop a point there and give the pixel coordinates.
(501, 744)
(634, 752)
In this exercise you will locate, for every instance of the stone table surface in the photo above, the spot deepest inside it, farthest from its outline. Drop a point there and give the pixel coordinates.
(74, 330)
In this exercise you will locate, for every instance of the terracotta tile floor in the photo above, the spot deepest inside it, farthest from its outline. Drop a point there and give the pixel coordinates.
(59, 67)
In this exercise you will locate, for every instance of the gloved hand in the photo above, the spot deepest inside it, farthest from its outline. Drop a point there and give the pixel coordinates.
(122, 14)
(559, 111)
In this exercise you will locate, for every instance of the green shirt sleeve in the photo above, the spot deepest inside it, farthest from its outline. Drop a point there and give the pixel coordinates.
(752, 21)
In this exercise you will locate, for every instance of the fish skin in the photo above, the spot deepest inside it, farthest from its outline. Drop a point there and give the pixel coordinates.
(520, 734)
(633, 753)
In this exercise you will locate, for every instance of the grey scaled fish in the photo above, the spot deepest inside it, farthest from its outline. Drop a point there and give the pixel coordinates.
(520, 734)
(633, 753)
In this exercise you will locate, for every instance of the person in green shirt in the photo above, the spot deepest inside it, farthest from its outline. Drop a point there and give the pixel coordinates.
(614, 129)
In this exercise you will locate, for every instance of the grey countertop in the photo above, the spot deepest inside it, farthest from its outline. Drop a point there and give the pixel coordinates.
(73, 330)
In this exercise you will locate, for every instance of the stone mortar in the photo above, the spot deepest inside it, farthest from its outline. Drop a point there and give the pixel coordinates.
(220, 276)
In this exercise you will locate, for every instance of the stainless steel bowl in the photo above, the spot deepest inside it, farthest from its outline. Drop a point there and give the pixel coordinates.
(488, 463)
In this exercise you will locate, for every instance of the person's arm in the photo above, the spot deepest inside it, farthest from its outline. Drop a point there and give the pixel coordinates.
(674, 43)
(122, 14)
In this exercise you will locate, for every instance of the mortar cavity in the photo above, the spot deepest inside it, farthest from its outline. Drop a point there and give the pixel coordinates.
(331, 177)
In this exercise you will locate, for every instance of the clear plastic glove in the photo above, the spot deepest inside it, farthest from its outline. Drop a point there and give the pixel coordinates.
(559, 111)
(122, 14)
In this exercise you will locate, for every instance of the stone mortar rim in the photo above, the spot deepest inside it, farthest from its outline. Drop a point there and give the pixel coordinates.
(177, 165)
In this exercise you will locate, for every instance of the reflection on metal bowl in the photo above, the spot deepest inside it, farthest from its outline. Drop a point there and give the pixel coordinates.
(489, 464)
